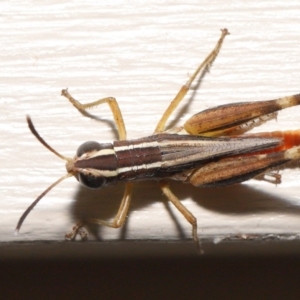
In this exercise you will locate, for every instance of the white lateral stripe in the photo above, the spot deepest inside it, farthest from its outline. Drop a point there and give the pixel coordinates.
(188, 143)
(104, 173)
(140, 167)
(103, 152)
(137, 146)
(226, 144)
(113, 173)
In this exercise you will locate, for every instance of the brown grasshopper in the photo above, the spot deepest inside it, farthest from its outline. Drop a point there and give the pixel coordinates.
(211, 149)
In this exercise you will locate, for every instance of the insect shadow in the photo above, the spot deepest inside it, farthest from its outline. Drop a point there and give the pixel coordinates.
(238, 200)
(101, 120)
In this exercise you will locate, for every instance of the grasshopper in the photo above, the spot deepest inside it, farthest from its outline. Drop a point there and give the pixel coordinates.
(210, 149)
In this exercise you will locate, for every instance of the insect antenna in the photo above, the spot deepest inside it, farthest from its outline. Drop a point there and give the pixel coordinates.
(34, 203)
(36, 134)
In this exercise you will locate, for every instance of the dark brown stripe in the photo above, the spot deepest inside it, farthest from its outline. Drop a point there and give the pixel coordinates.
(137, 156)
(101, 162)
(134, 157)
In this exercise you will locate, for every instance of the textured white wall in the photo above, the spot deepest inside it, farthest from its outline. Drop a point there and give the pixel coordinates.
(141, 53)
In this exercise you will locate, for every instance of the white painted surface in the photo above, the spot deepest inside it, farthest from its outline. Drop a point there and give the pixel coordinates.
(141, 53)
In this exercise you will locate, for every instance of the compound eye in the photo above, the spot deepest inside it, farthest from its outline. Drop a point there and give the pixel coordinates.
(90, 181)
(88, 147)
